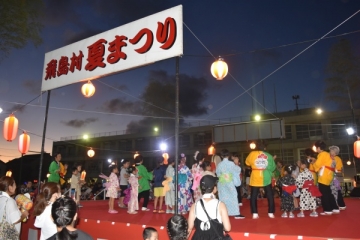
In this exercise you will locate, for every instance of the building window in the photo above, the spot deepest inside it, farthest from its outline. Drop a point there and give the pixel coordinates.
(338, 128)
(288, 134)
(142, 144)
(346, 153)
(308, 131)
(184, 141)
(287, 158)
(202, 139)
(125, 145)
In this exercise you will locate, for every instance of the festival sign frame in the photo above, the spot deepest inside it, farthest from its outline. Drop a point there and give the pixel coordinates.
(150, 39)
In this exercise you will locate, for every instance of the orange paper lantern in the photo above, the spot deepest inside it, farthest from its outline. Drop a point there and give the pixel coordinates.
(24, 143)
(166, 158)
(357, 148)
(10, 128)
(83, 175)
(211, 150)
(88, 89)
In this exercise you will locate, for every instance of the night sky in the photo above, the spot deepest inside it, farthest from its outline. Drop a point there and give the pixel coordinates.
(233, 29)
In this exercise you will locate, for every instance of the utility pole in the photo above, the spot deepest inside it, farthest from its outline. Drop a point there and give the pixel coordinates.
(296, 97)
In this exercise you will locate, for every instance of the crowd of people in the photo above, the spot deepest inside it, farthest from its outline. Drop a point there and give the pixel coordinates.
(209, 193)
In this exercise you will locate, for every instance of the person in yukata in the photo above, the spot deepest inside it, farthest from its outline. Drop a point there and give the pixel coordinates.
(229, 179)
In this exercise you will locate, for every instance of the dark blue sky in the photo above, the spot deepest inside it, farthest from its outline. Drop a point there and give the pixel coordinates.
(232, 29)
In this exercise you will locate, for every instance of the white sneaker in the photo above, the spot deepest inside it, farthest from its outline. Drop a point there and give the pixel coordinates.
(255, 216)
(271, 215)
(284, 215)
(342, 208)
(291, 215)
(336, 211)
(145, 209)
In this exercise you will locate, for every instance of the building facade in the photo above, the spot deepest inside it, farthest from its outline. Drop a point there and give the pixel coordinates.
(301, 129)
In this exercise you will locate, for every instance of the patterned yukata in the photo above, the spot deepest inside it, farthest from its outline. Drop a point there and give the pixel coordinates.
(196, 171)
(112, 191)
(170, 195)
(307, 201)
(287, 200)
(184, 183)
(133, 204)
(229, 178)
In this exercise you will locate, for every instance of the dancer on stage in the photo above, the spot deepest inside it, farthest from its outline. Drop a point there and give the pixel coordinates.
(159, 177)
(113, 189)
(54, 169)
(144, 185)
(184, 183)
(229, 178)
(196, 172)
(287, 184)
(133, 204)
(335, 186)
(124, 176)
(262, 165)
(170, 194)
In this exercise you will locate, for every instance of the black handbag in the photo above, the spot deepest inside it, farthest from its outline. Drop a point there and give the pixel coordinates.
(223, 237)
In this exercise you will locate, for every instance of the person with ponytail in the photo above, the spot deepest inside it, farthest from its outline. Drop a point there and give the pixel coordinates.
(42, 210)
(63, 213)
(196, 172)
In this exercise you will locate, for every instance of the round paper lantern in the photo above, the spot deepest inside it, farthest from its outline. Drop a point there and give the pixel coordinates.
(24, 143)
(91, 152)
(219, 69)
(252, 145)
(10, 128)
(166, 158)
(88, 89)
(357, 148)
(211, 150)
(348, 163)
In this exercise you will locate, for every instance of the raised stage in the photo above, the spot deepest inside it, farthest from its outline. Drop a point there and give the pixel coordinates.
(95, 220)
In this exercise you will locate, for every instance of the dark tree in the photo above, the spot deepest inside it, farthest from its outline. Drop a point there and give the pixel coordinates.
(343, 83)
(19, 24)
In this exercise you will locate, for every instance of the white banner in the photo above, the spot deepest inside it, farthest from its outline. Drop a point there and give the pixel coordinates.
(147, 40)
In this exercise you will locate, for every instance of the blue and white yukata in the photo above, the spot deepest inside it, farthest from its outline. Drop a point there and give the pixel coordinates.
(229, 178)
(184, 184)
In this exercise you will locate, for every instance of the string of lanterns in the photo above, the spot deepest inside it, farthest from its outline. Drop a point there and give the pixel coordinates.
(10, 130)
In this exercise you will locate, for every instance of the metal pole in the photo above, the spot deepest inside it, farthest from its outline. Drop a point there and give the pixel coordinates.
(43, 139)
(176, 133)
(281, 139)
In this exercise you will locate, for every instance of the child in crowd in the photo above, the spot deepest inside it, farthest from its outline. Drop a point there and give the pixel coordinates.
(170, 194)
(113, 189)
(124, 176)
(309, 191)
(159, 177)
(150, 233)
(236, 160)
(133, 204)
(206, 166)
(75, 185)
(287, 184)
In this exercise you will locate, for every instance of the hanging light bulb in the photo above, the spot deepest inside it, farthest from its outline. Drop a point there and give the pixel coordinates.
(252, 145)
(219, 69)
(88, 89)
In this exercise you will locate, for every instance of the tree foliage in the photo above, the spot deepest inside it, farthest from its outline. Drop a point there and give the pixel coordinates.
(159, 98)
(19, 24)
(343, 82)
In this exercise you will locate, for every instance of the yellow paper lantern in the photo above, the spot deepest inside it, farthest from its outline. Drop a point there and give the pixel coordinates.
(10, 128)
(219, 69)
(357, 148)
(91, 152)
(88, 89)
(9, 173)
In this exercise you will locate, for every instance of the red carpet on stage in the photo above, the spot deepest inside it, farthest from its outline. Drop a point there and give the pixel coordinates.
(95, 220)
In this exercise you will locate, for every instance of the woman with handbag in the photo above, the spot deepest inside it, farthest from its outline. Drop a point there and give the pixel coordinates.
(10, 215)
(209, 215)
